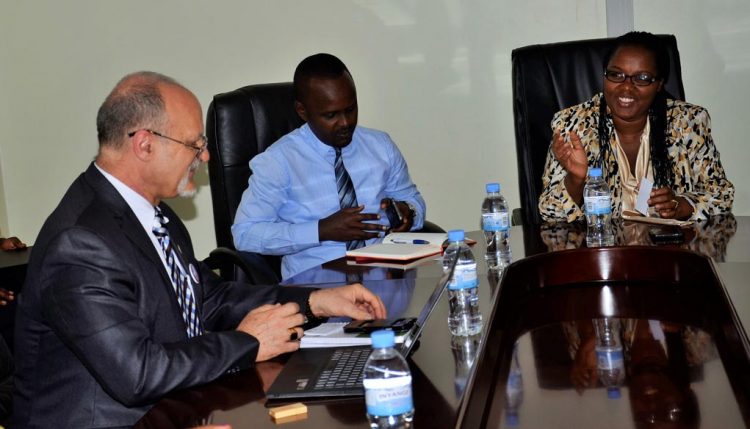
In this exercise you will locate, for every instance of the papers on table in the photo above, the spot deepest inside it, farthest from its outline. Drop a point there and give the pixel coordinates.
(332, 335)
(402, 247)
(634, 216)
(401, 265)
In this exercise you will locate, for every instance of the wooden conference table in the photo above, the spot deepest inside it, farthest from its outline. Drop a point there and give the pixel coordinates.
(704, 303)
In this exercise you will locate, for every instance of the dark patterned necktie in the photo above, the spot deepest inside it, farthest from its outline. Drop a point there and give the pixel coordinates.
(347, 196)
(182, 282)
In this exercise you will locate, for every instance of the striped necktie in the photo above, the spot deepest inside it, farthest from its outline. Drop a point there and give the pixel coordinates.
(181, 279)
(347, 196)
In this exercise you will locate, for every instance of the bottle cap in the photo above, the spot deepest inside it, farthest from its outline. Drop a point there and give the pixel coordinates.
(595, 172)
(382, 338)
(511, 419)
(613, 392)
(456, 235)
(493, 187)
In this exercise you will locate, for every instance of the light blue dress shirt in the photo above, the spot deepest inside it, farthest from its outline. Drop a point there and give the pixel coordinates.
(293, 186)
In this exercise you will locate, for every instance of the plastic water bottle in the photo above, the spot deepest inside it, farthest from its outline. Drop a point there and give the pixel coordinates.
(496, 227)
(598, 203)
(610, 364)
(464, 317)
(387, 382)
(513, 391)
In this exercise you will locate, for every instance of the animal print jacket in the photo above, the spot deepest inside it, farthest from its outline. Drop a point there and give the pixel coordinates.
(698, 174)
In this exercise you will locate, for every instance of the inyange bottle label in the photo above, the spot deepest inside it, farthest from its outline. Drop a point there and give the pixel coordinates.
(597, 205)
(495, 221)
(609, 359)
(388, 396)
(464, 276)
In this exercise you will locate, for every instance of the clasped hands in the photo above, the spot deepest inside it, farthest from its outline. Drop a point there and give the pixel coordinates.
(572, 156)
(351, 224)
(274, 325)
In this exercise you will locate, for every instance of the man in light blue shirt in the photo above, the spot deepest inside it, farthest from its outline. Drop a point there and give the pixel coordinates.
(292, 207)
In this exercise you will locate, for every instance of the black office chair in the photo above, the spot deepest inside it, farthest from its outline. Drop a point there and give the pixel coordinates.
(241, 124)
(546, 79)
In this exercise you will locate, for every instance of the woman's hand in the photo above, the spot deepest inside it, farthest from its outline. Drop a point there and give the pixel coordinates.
(669, 206)
(584, 372)
(571, 155)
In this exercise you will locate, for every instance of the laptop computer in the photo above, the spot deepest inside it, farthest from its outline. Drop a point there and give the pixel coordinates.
(337, 371)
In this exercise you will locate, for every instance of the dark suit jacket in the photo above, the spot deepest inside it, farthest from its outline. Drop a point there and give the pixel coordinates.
(99, 335)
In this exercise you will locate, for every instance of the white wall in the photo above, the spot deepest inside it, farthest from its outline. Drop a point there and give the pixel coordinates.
(435, 74)
(714, 42)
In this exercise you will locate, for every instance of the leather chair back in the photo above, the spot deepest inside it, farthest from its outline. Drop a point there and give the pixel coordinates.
(241, 124)
(548, 78)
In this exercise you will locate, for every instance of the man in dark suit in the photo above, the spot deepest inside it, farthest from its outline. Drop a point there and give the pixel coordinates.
(116, 311)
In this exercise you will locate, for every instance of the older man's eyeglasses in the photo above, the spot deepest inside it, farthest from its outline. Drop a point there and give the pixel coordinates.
(638, 79)
(198, 146)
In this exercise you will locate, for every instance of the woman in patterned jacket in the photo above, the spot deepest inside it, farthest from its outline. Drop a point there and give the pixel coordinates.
(632, 130)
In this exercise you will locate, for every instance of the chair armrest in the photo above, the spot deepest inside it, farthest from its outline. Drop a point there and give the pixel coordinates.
(246, 267)
(430, 227)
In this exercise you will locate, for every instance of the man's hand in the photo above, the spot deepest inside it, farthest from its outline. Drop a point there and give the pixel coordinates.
(407, 214)
(6, 296)
(348, 225)
(272, 326)
(12, 243)
(353, 301)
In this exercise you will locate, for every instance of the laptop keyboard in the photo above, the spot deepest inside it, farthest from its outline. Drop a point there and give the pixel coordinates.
(344, 370)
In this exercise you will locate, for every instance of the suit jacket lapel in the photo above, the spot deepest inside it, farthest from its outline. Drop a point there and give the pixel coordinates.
(127, 220)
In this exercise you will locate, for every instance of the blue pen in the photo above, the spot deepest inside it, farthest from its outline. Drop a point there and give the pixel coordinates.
(411, 241)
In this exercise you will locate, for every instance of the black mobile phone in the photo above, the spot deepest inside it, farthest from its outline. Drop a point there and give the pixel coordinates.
(666, 235)
(393, 213)
(367, 326)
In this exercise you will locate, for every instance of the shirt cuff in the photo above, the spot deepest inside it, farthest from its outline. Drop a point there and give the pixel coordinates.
(306, 234)
(417, 218)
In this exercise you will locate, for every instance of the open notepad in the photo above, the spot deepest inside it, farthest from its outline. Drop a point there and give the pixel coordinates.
(634, 216)
(332, 335)
(402, 250)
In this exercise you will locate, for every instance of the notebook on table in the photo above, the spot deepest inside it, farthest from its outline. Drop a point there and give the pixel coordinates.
(337, 371)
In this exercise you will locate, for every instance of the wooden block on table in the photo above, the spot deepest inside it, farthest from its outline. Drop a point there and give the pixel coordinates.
(287, 411)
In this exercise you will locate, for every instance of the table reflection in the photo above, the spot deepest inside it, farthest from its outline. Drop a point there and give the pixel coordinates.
(394, 287)
(464, 350)
(664, 381)
(709, 237)
(339, 272)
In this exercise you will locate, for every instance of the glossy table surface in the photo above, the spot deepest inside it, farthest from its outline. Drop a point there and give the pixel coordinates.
(443, 365)
(14, 258)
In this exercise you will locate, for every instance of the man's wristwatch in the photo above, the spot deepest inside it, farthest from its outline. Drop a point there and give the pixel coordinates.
(412, 209)
(310, 318)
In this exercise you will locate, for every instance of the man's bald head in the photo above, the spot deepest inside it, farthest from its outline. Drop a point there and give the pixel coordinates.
(135, 102)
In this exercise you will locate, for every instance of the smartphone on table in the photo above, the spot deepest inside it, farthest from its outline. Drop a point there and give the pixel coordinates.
(663, 234)
(367, 326)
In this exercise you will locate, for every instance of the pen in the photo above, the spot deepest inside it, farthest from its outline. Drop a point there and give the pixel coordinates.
(410, 241)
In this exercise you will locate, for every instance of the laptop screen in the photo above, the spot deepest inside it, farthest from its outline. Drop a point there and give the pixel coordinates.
(412, 338)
